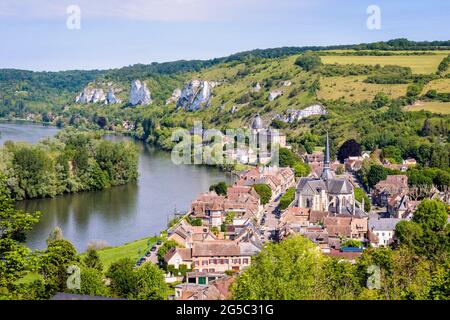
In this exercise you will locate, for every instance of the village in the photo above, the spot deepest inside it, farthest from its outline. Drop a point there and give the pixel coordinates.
(221, 233)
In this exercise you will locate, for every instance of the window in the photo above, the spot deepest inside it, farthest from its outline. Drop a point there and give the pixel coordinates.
(245, 261)
(204, 262)
(212, 270)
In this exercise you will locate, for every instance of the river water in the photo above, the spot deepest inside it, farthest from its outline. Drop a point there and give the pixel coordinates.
(121, 214)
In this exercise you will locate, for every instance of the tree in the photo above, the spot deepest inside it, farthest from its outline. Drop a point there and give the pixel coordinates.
(151, 284)
(431, 215)
(287, 198)
(91, 283)
(349, 148)
(264, 192)
(360, 195)
(380, 100)
(60, 254)
(302, 169)
(285, 271)
(308, 61)
(15, 258)
(92, 260)
(219, 188)
(375, 175)
(392, 154)
(407, 232)
(123, 279)
(287, 158)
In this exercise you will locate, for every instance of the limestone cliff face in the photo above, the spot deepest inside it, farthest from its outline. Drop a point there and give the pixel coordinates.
(293, 115)
(174, 97)
(195, 95)
(275, 94)
(91, 95)
(111, 98)
(96, 95)
(139, 94)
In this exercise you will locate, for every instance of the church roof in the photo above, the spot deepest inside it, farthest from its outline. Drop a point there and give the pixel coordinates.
(311, 186)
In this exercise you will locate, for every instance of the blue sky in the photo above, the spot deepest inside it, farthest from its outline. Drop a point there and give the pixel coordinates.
(116, 33)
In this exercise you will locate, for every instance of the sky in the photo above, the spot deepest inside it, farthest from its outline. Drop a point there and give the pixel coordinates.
(43, 35)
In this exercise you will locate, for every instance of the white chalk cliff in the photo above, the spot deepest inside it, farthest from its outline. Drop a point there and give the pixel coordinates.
(195, 95)
(174, 97)
(96, 95)
(139, 94)
(293, 115)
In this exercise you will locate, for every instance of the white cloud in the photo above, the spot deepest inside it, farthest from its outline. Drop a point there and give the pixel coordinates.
(150, 10)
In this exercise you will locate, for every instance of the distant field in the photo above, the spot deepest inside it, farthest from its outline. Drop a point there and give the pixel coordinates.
(440, 85)
(418, 64)
(432, 106)
(354, 89)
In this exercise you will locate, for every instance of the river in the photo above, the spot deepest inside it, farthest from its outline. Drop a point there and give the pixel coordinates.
(121, 214)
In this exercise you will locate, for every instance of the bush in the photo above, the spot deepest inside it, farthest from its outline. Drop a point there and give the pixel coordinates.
(308, 61)
(287, 198)
(264, 192)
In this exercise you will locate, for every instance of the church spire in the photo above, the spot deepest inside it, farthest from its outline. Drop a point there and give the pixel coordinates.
(327, 173)
(327, 153)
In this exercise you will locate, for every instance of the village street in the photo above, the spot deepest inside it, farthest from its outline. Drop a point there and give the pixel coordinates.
(270, 221)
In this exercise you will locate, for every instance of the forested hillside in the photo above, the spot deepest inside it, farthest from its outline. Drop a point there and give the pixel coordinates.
(374, 93)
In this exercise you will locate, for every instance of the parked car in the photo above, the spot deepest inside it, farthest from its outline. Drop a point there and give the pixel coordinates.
(154, 248)
(159, 242)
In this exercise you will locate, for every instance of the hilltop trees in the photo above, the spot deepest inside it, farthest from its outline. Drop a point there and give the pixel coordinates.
(308, 61)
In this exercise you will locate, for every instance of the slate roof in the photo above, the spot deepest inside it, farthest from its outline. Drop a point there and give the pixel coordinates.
(311, 186)
(383, 224)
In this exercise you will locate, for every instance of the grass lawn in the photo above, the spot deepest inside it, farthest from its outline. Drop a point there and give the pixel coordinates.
(133, 250)
(432, 106)
(354, 89)
(418, 64)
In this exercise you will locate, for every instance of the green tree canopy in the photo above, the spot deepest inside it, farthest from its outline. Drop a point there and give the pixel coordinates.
(264, 192)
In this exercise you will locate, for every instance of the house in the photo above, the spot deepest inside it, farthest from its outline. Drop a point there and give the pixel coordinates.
(383, 229)
(218, 289)
(278, 179)
(410, 162)
(179, 256)
(185, 234)
(392, 185)
(346, 226)
(222, 255)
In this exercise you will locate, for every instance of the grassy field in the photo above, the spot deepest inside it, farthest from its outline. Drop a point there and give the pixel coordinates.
(354, 89)
(440, 85)
(418, 64)
(432, 106)
(133, 250)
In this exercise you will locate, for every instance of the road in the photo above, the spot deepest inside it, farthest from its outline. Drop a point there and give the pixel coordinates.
(271, 221)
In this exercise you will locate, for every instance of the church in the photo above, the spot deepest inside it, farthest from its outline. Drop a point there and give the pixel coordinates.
(328, 193)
